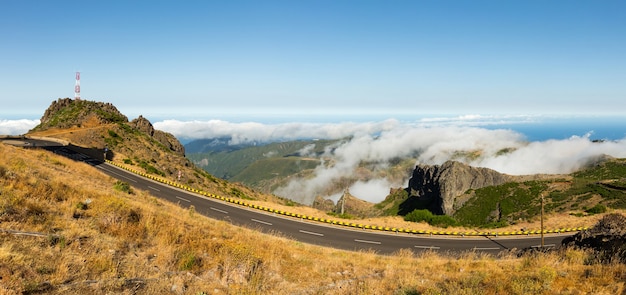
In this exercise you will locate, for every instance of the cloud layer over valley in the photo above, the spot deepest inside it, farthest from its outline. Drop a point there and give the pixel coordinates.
(17, 127)
(431, 141)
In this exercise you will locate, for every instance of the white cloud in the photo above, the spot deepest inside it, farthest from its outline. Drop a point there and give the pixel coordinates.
(17, 127)
(254, 132)
(431, 141)
(371, 190)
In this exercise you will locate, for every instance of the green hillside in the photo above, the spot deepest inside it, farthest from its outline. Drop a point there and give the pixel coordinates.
(589, 191)
(271, 172)
(253, 165)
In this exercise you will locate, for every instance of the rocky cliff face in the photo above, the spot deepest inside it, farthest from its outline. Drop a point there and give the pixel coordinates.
(439, 186)
(142, 124)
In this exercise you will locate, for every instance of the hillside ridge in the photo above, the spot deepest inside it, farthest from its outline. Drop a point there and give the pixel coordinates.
(99, 126)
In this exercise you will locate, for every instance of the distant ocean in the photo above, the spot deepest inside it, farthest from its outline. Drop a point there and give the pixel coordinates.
(534, 128)
(597, 128)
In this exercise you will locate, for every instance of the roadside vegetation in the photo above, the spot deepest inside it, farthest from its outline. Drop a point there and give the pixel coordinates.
(593, 190)
(66, 228)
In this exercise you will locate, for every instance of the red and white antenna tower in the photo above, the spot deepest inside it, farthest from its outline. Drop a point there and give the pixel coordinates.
(77, 87)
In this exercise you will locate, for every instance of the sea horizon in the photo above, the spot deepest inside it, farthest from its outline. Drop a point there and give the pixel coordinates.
(532, 127)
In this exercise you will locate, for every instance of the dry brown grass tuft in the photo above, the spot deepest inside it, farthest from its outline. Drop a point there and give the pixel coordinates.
(99, 240)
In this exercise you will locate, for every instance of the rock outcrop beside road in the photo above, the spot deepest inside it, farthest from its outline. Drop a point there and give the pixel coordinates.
(440, 185)
(607, 239)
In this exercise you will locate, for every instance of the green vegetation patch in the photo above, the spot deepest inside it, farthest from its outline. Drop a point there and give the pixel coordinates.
(605, 180)
(122, 187)
(391, 205)
(150, 169)
(340, 215)
(239, 194)
(423, 215)
(501, 205)
(274, 167)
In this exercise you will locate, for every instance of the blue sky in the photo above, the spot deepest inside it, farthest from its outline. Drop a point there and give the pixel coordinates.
(216, 59)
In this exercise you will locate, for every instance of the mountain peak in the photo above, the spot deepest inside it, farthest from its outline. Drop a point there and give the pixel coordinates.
(67, 113)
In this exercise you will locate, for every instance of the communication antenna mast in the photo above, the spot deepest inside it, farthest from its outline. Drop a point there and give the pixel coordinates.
(77, 87)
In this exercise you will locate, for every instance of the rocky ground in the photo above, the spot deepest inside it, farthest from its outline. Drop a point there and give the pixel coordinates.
(607, 239)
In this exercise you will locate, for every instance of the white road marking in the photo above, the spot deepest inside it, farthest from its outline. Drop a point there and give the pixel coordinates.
(486, 249)
(120, 175)
(428, 247)
(311, 233)
(260, 221)
(156, 189)
(218, 210)
(183, 199)
(368, 242)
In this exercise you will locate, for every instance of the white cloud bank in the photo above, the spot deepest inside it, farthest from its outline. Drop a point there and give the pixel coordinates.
(432, 141)
(17, 127)
(258, 132)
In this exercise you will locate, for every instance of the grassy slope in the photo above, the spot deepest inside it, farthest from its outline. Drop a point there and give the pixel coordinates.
(602, 184)
(135, 149)
(134, 243)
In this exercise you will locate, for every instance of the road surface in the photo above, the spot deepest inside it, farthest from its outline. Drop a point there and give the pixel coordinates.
(308, 231)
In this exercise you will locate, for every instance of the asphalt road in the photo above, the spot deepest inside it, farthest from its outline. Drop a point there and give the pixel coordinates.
(309, 231)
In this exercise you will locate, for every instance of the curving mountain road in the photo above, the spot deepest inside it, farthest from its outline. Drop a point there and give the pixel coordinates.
(304, 230)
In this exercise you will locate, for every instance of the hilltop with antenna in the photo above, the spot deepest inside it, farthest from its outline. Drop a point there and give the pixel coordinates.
(95, 126)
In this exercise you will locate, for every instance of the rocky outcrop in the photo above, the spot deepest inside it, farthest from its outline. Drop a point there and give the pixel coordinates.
(322, 204)
(607, 239)
(437, 187)
(66, 113)
(168, 140)
(347, 204)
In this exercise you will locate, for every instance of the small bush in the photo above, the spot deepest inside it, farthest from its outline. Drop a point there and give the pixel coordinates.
(188, 261)
(113, 134)
(340, 215)
(597, 209)
(443, 221)
(123, 187)
(424, 215)
(81, 206)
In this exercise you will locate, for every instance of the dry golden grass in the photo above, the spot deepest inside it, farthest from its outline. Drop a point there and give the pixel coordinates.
(136, 244)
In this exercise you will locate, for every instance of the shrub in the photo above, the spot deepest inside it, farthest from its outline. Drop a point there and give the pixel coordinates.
(113, 134)
(428, 217)
(443, 221)
(123, 187)
(419, 216)
(597, 209)
(81, 206)
(340, 215)
(188, 261)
